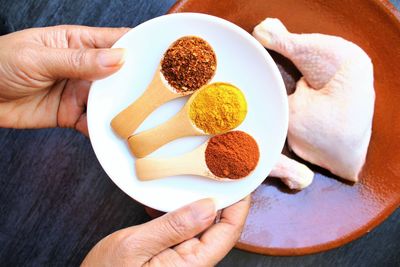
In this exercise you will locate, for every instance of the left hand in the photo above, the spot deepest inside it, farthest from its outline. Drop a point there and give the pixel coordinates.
(45, 74)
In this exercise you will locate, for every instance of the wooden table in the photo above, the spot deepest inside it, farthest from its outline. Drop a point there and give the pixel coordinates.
(56, 201)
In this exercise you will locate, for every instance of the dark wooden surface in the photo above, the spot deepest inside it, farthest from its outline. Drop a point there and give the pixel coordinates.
(56, 202)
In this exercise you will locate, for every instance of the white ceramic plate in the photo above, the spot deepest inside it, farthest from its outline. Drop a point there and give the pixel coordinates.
(242, 61)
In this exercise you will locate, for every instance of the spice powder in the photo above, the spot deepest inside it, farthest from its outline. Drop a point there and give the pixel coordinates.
(188, 64)
(232, 155)
(218, 108)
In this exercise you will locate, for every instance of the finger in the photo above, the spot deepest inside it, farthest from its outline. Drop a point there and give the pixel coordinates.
(153, 213)
(167, 258)
(81, 125)
(175, 227)
(76, 36)
(71, 110)
(219, 239)
(98, 37)
(84, 64)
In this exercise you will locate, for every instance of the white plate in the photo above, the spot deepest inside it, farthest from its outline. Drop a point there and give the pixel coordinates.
(242, 61)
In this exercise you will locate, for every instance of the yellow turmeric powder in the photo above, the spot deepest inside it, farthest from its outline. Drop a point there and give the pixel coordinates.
(217, 108)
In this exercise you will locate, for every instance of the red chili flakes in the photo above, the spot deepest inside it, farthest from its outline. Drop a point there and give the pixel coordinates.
(188, 64)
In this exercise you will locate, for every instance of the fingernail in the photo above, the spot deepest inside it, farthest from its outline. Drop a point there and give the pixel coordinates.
(111, 57)
(203, 210)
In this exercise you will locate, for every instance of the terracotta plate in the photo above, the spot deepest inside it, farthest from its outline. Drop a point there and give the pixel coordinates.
(329, 213)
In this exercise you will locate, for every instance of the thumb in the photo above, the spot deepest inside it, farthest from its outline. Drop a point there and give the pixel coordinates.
(85, 64)
(176, 227)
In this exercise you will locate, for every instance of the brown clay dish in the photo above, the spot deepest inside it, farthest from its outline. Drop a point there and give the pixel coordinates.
(330, 212)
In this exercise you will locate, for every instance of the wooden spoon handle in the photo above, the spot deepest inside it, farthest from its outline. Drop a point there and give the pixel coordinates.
(150, 169)
(144, 143)
(128, 120)
(192, 163)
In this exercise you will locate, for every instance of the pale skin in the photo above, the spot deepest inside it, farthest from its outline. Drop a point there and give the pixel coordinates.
(45, 76)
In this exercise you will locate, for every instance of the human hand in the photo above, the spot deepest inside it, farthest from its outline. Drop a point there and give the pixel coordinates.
(180, 238)
(45, 74)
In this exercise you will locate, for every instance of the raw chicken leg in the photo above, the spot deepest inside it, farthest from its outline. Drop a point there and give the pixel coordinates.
(294, 174)
(331, 111)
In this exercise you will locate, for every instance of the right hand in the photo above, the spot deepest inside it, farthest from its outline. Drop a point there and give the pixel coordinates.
(173, 239)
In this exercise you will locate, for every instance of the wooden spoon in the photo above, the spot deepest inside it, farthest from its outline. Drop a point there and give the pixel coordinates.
(229, 156)
(180, 125)
(158, 92)
(192, 163)
(144, 143)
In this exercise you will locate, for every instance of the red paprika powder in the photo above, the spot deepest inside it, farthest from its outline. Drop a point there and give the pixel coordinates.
(232, 155)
